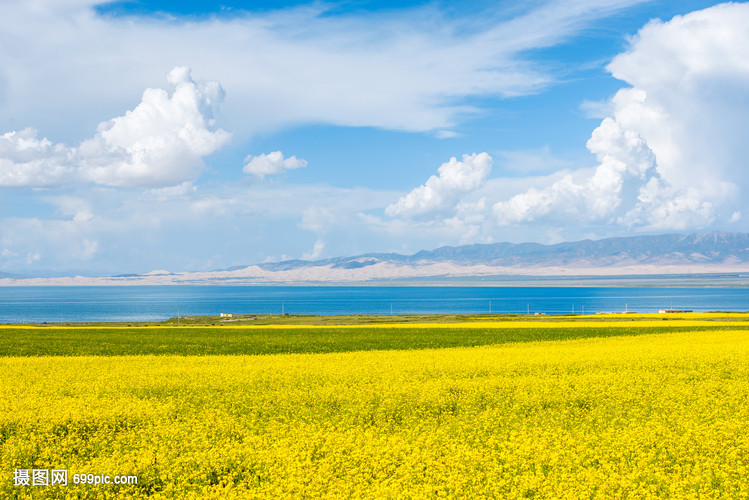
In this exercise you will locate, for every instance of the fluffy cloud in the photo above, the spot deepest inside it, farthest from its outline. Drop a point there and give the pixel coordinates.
(689, 100)
(271, 163)
(625, 159)
(673, 154)
(161, 142)
(408, 71)
(441, 192)
(26, 160)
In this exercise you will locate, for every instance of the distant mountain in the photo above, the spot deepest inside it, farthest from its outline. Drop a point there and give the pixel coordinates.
(666, 249)
(671, 249)
(668, 254)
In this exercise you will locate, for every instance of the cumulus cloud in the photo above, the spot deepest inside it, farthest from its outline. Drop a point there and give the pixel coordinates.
(624, 158)
(689, 98)
(26, 160)
(271, 163)
(442, 192)
(161, 142)
(673, 154)
(408, 71)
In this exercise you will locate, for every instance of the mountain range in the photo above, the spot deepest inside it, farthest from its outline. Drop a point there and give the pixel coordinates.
(667, 249)
(712, 252)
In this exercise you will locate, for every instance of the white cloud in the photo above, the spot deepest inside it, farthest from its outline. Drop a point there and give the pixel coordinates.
(76, 208)
(446, 134)
(26, 160)
(689, 100)
(661, 206)
(673, 154)
(470, 221)
(169, 192)
(159, 143)
(186, 228)
(315, 252)
(33, 241)
(597, 109)
(318, 219)
(442, 192)
(670, 155)
(88, 248)
(271, 163)
(407, 71)
(624, 161)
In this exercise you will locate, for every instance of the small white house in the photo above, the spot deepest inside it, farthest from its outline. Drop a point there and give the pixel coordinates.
(226, 315)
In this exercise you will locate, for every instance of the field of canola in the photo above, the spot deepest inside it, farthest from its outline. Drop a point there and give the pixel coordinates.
(637, 416)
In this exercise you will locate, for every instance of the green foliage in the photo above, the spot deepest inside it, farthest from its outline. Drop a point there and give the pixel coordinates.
(228, 340)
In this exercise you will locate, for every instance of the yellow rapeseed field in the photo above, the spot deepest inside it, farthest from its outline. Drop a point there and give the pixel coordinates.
(646, 416)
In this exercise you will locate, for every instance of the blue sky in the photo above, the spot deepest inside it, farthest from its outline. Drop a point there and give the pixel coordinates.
(188, 136)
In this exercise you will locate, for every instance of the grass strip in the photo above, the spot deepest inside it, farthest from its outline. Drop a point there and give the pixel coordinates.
(242, 340)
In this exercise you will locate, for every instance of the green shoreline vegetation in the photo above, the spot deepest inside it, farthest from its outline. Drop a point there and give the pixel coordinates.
(202, 336)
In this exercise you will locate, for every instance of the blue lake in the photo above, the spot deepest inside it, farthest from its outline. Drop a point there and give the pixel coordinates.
(149, 303)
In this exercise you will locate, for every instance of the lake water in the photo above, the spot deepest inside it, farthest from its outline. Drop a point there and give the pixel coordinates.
(153, 303)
